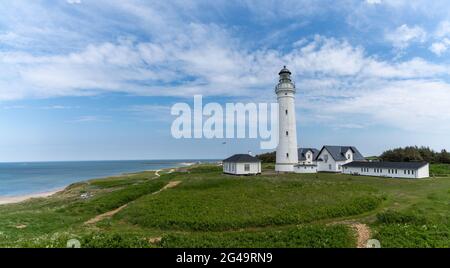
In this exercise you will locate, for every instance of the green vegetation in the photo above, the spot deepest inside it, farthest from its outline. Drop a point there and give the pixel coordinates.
(210, 209)
(373, 158)
(317, 236)
(414, 153)
(267, 157)
(440, 170)
(231, 203)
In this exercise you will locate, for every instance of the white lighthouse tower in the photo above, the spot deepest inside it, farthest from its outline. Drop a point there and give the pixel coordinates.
(287, 155)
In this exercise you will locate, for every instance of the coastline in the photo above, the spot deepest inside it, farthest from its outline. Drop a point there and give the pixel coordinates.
(4, 200)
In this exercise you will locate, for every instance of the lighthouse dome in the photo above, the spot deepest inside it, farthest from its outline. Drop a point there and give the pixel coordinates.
(284, 71)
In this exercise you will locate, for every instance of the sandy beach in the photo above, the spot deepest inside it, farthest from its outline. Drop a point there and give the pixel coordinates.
(17, 199)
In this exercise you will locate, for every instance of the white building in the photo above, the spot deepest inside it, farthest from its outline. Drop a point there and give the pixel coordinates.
(410, 170)
(332, 158)
(242, 164)
(306, 160)
(286, 155)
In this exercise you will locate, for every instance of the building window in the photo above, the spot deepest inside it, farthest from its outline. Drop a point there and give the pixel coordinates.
(329, 166)
(247, 167)
(287, 155)
(286, 112)
(287, 133)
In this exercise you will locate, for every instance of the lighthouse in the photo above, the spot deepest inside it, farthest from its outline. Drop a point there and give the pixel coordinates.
(287, 155)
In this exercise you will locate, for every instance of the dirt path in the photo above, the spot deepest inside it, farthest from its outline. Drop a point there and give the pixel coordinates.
(111, 213)
(363, 234)
(171, 184)
(105, 215)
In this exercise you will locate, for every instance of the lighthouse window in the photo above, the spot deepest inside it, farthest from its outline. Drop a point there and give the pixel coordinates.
(287, 155)
(285, 94)
(287, 133)
(286, 112)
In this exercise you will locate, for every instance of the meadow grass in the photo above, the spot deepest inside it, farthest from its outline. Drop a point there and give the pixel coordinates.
(226, 202)
(209, 209)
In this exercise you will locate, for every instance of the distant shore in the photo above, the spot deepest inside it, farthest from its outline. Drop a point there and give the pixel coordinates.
(4, 200)
(20, 198)
(81, 171)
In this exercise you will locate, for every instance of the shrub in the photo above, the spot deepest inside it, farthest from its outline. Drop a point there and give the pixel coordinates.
(317, 236)
(413, 236)
(390, 217)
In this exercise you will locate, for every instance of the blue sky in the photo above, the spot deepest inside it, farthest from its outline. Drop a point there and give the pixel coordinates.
(90, 80)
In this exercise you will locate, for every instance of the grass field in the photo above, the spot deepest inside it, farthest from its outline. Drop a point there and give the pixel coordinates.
(209, 209)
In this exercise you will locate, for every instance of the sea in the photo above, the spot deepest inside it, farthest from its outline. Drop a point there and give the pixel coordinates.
(26, 178)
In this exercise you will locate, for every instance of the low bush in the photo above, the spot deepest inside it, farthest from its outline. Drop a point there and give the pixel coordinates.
(413, 236)
(390, 216)
(317, 236)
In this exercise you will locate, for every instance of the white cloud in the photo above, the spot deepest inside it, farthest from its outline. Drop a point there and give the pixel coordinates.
(441, 38)
(373, 2)
(72, 2)
(417, 105)
(334, 77)
(404, 35)
(441, 47)
(443, 29)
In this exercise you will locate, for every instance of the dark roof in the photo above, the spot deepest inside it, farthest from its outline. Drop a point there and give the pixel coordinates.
(338, 152)
(302, 153)
(242, 158)
(399, 165)
(284, 70)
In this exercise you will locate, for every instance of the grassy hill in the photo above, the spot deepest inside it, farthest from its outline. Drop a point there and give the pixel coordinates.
(201, 207)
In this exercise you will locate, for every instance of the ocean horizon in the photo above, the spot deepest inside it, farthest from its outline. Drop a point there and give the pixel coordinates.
(24, 178)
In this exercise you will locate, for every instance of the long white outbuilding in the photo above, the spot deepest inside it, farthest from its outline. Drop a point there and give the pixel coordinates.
(409, 170)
